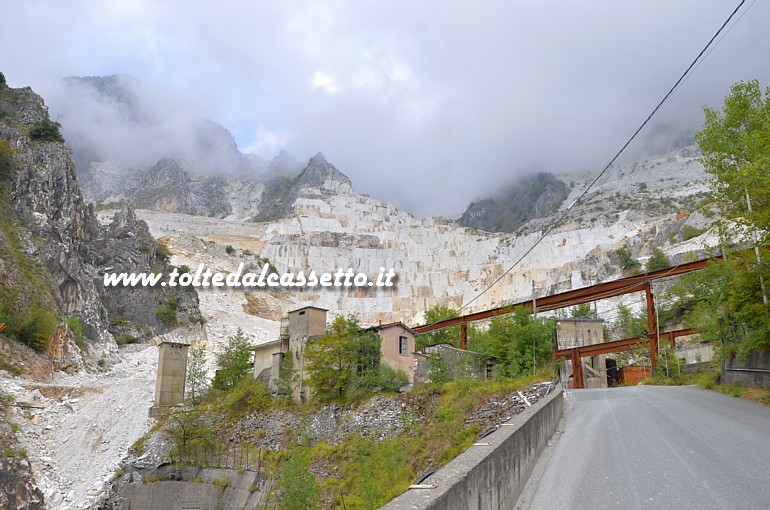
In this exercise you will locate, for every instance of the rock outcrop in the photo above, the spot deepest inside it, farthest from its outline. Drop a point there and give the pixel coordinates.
(533, 197)
(55, 226)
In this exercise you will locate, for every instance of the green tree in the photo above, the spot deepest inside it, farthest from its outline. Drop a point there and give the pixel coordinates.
(628, 263)
(582, 311)
(628, 325)
(658, 260)
(735, 145)
(234, 362)
(345, 363)
(449, 336)
(331, 359)
(518, 341)
(196, 379)
(46, 130)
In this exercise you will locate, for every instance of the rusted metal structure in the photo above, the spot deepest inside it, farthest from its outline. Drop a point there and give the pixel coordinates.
(615, 288)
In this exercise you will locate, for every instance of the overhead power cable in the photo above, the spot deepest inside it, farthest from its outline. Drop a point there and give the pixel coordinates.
(612, 161)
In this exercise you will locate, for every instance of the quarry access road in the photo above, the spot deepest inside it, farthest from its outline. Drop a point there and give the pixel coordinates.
(657, 447)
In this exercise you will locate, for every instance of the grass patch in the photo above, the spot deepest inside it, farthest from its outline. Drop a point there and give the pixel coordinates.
(709, 380)
(427, 444)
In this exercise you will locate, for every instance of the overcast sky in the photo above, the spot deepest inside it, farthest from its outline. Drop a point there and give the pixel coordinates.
(426, 104)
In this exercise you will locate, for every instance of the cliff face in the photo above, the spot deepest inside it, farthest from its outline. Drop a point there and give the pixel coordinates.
(439, 263)
(532, 197)
(55, 227)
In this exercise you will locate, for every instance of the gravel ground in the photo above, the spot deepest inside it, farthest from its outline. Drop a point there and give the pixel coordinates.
(78, 428)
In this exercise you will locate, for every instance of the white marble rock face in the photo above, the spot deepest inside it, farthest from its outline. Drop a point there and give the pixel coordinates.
(440, 263)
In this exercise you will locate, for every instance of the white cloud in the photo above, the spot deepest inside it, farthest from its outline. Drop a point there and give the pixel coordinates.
(427, 104)
(325, 82)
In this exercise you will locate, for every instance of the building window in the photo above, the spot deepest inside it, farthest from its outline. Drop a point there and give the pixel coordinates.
(402, 346)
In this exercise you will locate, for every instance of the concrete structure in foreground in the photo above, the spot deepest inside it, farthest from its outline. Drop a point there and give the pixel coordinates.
(490, 477)
(752, 371)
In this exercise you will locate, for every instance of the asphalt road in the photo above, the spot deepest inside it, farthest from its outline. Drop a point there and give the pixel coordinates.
(657, 447)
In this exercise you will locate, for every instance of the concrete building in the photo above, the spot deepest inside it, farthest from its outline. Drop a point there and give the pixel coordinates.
(572, 333)
(458, 363)
(397, 347)
(172, 369)
(267, 361)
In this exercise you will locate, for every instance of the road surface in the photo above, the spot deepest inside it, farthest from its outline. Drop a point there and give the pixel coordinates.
(657, 447)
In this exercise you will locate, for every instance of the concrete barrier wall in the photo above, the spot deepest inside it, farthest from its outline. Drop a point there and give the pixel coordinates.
(490, 477)
(753, 371)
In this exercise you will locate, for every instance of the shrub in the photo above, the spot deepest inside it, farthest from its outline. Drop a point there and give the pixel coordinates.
(628, 263)
(163, 252)
(34, 328)
(689, 232)
(7, 165)
(298, 486)
(166, 314)
(79, 330)
(229, 249)
(46, 130)
(658, 260)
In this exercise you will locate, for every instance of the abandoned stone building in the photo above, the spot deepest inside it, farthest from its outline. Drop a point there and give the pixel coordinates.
(308, 323)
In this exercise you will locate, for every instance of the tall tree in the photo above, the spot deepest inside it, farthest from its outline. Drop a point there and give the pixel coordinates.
(735, 143)
(234, 362)
(343, 356)
(197, 381)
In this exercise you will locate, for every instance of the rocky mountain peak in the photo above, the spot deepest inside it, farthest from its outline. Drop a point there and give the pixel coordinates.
(319, 173)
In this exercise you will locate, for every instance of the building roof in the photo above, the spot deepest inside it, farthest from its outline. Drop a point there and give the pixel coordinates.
(391, 325)
(579, 319)
(266, 344)
(309, 306)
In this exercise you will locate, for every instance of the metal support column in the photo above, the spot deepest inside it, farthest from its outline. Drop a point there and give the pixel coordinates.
(652, 325)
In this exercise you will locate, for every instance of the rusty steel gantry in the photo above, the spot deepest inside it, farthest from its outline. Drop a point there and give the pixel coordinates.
(615, 288)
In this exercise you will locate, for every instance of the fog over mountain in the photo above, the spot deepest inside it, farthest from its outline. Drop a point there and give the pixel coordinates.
(429, 105)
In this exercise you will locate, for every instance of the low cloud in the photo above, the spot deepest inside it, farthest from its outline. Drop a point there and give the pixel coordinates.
(428, 105)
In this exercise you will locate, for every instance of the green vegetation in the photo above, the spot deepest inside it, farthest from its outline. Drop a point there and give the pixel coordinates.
(27, 301)
(299, 488)
(583, 311)
(79, 330)
(234, 362)
(230, 250)
(7, 164)
(166, 313)
(427, 444)
(690, 232)
(449, 336)
(657, 261)
(196, 381)
(727, 299)
(709, 379)
(735, 149)
(627, 262)
(345, 363)
(628, 325)
(520, 342)
(46, 130)
(125, 339)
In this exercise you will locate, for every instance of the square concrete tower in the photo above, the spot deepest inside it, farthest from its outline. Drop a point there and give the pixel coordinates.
(172, 368)
(305, 324)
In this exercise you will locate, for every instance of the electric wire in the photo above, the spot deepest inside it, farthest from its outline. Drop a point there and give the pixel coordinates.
(612, 161)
